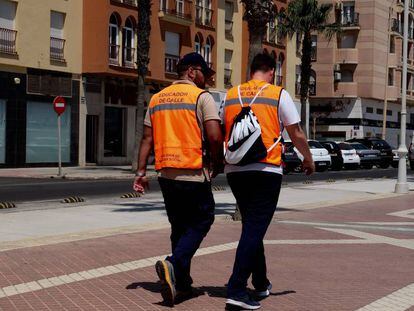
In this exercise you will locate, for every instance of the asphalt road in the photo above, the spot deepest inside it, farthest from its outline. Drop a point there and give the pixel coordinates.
(29, 190)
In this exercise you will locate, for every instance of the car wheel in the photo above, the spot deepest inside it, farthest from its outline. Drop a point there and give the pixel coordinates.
(385, 165)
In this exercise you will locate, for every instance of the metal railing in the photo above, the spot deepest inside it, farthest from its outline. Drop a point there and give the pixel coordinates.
(176, 13)
(129, 57)
(114, 54)
(171, 62)
(57, 49)
(350, 19)
(227, 77)
(396, 26)
(131, 2)
(208, 17)
(199, 15)
(312, 88)
(8, 41)
(229, 28)
(273, 35)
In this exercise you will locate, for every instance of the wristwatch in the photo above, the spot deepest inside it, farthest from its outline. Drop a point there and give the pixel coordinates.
(140, 174)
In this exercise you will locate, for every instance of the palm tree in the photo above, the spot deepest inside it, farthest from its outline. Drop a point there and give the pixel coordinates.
(143, 46)
(257, 13)
(304, 17)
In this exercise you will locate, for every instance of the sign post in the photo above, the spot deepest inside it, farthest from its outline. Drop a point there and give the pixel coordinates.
(59, 104)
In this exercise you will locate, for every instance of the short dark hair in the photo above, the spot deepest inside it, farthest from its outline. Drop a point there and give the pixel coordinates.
(262, 62)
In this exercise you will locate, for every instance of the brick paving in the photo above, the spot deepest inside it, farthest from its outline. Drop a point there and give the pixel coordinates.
(311, 267)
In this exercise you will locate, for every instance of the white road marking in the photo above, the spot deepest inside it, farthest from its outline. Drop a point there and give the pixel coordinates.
(405, 214)
(399, 300)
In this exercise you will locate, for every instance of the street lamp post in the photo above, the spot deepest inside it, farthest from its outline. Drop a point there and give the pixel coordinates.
(402, 185)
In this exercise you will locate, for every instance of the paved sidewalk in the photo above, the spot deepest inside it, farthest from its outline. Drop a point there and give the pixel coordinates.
(74, 172)
(338, 257)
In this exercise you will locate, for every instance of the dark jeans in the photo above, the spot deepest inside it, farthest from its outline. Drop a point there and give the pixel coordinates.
(190, 210)
(256, 194)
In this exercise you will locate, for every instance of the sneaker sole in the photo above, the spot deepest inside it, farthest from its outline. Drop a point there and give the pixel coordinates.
(230, 303)
(263, 294)
(167, 287)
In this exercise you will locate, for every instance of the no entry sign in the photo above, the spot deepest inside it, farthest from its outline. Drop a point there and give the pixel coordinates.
(59, 104)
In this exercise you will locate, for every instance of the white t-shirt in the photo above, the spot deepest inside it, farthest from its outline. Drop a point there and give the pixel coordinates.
(288, 115)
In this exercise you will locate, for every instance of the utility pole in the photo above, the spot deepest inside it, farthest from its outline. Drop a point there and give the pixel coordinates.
(402, 185)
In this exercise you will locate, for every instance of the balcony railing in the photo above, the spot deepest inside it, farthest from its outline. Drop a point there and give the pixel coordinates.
(279, 80)
(114, 54)
(127, 2)
(312, 88)
(350, 19)
(57, 49)
(272, 35)
(177, 13)
(229, 29)
(8, 41)
(171, 62)
(208, 17)
(227, 77)
(199, 15)
(129, 57)
(396, 26)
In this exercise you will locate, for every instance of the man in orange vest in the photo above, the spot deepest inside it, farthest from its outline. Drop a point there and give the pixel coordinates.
(183, 126)
(256, 184)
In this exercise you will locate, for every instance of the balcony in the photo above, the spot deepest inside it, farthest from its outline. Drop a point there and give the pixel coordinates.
(227, 77)
(396, 26)
(114, 55)
(57, 49)
(208, 17)
(171, 62)
(126, 2)
(350, 20)
(204, 17)
(129, 57)
(8, 41)
(346, 89)
(229, 29)
(199, 15)
(179, 14)
(347, 56)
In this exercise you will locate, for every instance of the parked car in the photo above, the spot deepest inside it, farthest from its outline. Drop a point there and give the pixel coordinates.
(411, 155)
(290, 159)
(335, 153)
(380, 145)
(350, 156)
(368, 157)
(320, 156)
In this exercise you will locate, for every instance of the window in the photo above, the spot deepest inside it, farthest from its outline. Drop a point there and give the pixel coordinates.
(369, 110)
(57, 43)
(279, 67)
(113, 40)
(389, 112)
(197, 43)
(380, 111)
(128, 43)
(163, 5)
(114, 145)
(41, 137)
(228, 55)
(391, 76)
(314, 48)
(7, 32)
(172, 51)
(347, 41)
(229, 12)
(298, 71)
(347, 75)
(180, 7)
(208, 13)
(392, 44)
(2, 131)
(199, 12)
(312, 83)
(207, 50)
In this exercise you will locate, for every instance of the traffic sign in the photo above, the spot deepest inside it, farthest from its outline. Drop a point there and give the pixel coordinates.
(59, 104)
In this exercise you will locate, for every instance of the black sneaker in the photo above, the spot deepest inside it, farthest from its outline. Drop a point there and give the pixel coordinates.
(262, 293)
(245, 302)
(165, 271)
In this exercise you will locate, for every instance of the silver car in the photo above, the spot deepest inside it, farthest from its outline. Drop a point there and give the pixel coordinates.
(369, 157)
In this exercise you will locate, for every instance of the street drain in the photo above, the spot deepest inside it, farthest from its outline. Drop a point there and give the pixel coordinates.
(131, 195)
(73, 200)
(6, 205)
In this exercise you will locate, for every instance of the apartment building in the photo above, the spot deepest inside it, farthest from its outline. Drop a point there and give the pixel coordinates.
(108, 110)
(40, 58)
(357, 75)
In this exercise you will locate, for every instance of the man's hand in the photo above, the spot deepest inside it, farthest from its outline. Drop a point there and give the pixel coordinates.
(141, 184)
(308, 166)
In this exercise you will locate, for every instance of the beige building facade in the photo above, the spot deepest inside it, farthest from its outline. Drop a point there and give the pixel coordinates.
(356, 79)
(40, 58)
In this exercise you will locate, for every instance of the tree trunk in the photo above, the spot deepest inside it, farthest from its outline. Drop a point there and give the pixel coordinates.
(306, 67)
(255, 47)
(143, 46)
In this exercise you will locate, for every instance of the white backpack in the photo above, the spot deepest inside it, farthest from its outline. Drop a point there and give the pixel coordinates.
(245, 144)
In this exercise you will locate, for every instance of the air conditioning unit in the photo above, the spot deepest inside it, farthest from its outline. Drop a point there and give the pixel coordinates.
(337, 76)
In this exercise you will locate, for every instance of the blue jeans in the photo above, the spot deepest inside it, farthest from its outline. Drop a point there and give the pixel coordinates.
(190, 209)
(256, 194)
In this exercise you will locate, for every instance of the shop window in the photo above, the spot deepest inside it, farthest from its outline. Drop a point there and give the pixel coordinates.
(114, 143)
(41, 133)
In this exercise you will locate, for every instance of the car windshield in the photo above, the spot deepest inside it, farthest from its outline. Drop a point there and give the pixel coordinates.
(359, 146)
(344, 146)
(380, 144)
(315, 145)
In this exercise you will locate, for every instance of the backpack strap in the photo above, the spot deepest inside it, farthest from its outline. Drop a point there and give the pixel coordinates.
(254, 99)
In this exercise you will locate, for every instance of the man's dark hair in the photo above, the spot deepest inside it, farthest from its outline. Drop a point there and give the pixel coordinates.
(262, 62)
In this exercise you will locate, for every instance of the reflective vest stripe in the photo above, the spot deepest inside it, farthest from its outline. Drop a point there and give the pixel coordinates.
(164, 107)
(259, 101)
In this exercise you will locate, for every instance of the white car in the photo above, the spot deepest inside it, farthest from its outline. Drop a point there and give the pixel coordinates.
(320, 155)
(350, 156)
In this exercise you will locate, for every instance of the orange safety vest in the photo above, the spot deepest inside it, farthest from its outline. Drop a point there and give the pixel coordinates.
(176, 131)
(265, 108)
